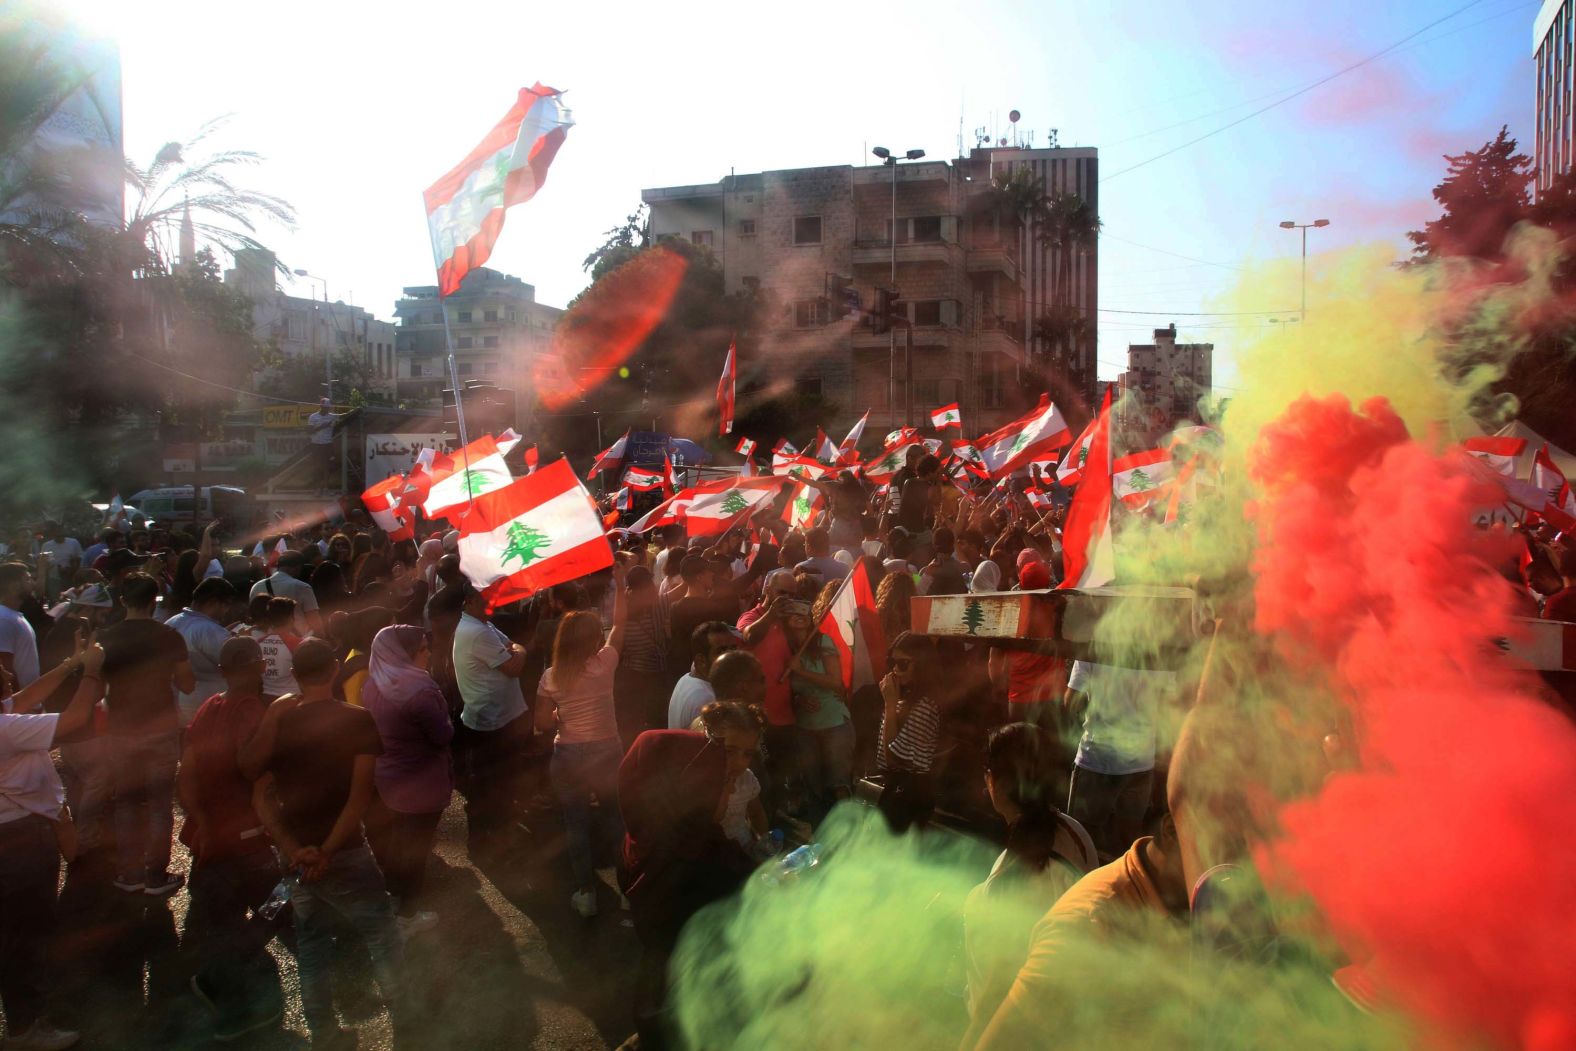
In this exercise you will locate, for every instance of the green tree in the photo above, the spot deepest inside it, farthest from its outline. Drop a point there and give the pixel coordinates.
(1484, 194)
(973, 616)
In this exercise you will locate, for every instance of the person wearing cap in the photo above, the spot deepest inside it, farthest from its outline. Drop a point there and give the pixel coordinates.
(205, 637)
(315, 758)
(18, 642)
(285, 582)
(233, 868)
(145, 665)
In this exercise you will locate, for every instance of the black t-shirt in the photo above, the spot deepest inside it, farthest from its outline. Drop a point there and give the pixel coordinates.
(314, 757)
(139, 676)
(689, 613)
(914, 515)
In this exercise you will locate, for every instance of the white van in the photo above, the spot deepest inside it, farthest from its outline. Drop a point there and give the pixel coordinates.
(174, 503)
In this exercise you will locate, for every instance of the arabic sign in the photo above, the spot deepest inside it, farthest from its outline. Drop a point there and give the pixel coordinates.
(389, 454)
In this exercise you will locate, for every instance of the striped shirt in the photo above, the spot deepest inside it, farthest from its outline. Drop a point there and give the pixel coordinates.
(914, 746)
(646, 641)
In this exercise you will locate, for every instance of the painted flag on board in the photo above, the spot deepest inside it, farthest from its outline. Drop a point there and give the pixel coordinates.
(1029, 438)
(853, 623)
(946, 416)
(465, 208)
(609, 459)
(725, 390)
(532, 534)
(1087, 555)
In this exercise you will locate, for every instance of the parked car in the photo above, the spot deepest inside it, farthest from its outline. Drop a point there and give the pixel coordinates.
(176, 504)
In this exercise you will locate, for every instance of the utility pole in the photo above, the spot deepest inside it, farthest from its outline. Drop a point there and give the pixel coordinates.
(890, 160)
(1304, 227)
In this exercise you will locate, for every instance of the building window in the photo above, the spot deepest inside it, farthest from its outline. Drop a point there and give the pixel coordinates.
(927, 392)
(808, 313)
(415, 371)
(746, 227)
(807, 230)
(927, 312)
(295, 327)
(927, 228)
(490, 342)
(701, 238)
(489, 315)
(465, 317)
(464, 343)
(464, 368)
(511, 315)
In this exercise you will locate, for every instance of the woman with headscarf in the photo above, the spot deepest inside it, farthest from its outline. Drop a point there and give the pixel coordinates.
(413, 775)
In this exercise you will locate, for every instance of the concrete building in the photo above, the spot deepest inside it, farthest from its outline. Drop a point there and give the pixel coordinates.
(501, 335)
(1554, 53)
(304, 327)
(970, 278)
(1166, 379)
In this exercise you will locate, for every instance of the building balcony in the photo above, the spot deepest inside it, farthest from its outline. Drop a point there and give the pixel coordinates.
(879, 252)
(1001, 341)
(994, 257)
(934, 337)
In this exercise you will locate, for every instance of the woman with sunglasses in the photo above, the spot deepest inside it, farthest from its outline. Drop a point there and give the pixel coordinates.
(910, 732)
(413, 775)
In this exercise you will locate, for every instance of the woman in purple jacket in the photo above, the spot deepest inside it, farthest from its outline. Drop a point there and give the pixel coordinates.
(413, 775)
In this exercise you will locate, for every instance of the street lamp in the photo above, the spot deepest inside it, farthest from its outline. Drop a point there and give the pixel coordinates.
(328, 355)
(888, 159)
(1304, 227)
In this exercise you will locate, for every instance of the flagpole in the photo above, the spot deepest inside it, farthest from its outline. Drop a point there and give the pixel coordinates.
(454, 372)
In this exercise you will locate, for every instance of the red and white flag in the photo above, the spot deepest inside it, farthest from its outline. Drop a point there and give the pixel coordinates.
(609, 459)
(901, 436)
(459, 477)
(1500, 453)
(725, 391)
(381, 502)
(1546, 475)
(798, 466)
(642, 480)
(465, 208)
(882, 469)
(746, 447)
(970, 459)
(1088, 559)
(848, 452)
(822, 448)
(946, 416)
(711, 513)
(625, 500)
(802, 510)
(1182, 493)
(1071, 469)
(1039, 499)
(532, 455)
(532, 534)
(669, 485)
(1138, 478)
(853, 623)
(668, 512)
(1012, 447)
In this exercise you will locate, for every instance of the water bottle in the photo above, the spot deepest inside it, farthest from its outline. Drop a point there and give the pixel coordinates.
(797, 862)
(277, 901)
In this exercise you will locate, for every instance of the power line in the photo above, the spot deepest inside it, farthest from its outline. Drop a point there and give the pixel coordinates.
(1299, 92)
(1199, 313)
(1166, 251)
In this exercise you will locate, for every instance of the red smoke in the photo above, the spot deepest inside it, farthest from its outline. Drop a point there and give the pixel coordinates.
(1444, 864)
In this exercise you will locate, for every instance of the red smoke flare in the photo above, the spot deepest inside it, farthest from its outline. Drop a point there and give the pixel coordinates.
(1445, 863)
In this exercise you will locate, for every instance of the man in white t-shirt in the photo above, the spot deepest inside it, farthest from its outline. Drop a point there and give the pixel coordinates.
(65, 558)
(18, 644)
(693, 691)
(321, 427)
(285, 582)
(1113, 772)
(490, 745)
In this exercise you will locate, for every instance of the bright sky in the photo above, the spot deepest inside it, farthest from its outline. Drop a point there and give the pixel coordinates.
(358, 106)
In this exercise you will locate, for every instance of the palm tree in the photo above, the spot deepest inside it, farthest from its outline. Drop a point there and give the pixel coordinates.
(1068, 226)
(1019, 194)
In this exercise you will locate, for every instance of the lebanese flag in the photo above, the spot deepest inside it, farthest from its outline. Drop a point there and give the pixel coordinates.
(668, 512)
(1039, 500)
(669, 487)
(947, 416)
(465, 208)
(853, 624)
(711, 513)
(825, 451)
(381, 501)
(1547, 476)
(532, 455)
(1072, 466)
(1182, 493)
(625, 500)
(531, 534)
(1030, 438)
(848, 452)
(609, 459)
(642, 480)
(970, 458)
(1087, 557)
(458, 477)
(745, 448)
(803, 509)
(798, 466)
(784, 447)
(1136, 479)
(1499, 453)
(725, 390)
(882, 470)
(901, 436)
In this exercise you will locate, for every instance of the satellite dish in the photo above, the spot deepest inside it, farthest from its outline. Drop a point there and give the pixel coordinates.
(1013, 116)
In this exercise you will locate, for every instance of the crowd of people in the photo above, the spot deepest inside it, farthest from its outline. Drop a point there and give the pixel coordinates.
(305, 705)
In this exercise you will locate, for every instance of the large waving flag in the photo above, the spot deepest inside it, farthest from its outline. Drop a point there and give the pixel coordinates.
(1012, 447)
(725, 390)
(536, 532)
(802, 510)
(710, 514)
(1071, 469)
(1498, 452)
(848, 452)
(882, 469)
(642, 480)
(853, 623)
(1139, 478)
(822, 448)
(460, 476)
(1088, 560)
(1546, 475)
(382, 502)
(465, 208)
(611, 458)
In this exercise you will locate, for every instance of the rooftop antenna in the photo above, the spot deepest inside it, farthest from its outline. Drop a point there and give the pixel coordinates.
(1050, 139)
(1012, 118)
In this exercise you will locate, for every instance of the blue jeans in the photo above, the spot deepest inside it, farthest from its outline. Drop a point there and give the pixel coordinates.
(144, 772)
(828, 757)
(29, 867)
(579, 772)
(353, 890)
(238, 974)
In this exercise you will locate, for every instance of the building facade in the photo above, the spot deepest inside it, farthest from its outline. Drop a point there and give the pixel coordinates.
(309, 328)
(969, 278)
(1165, 381)
(1554, 53)
(502, 335)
